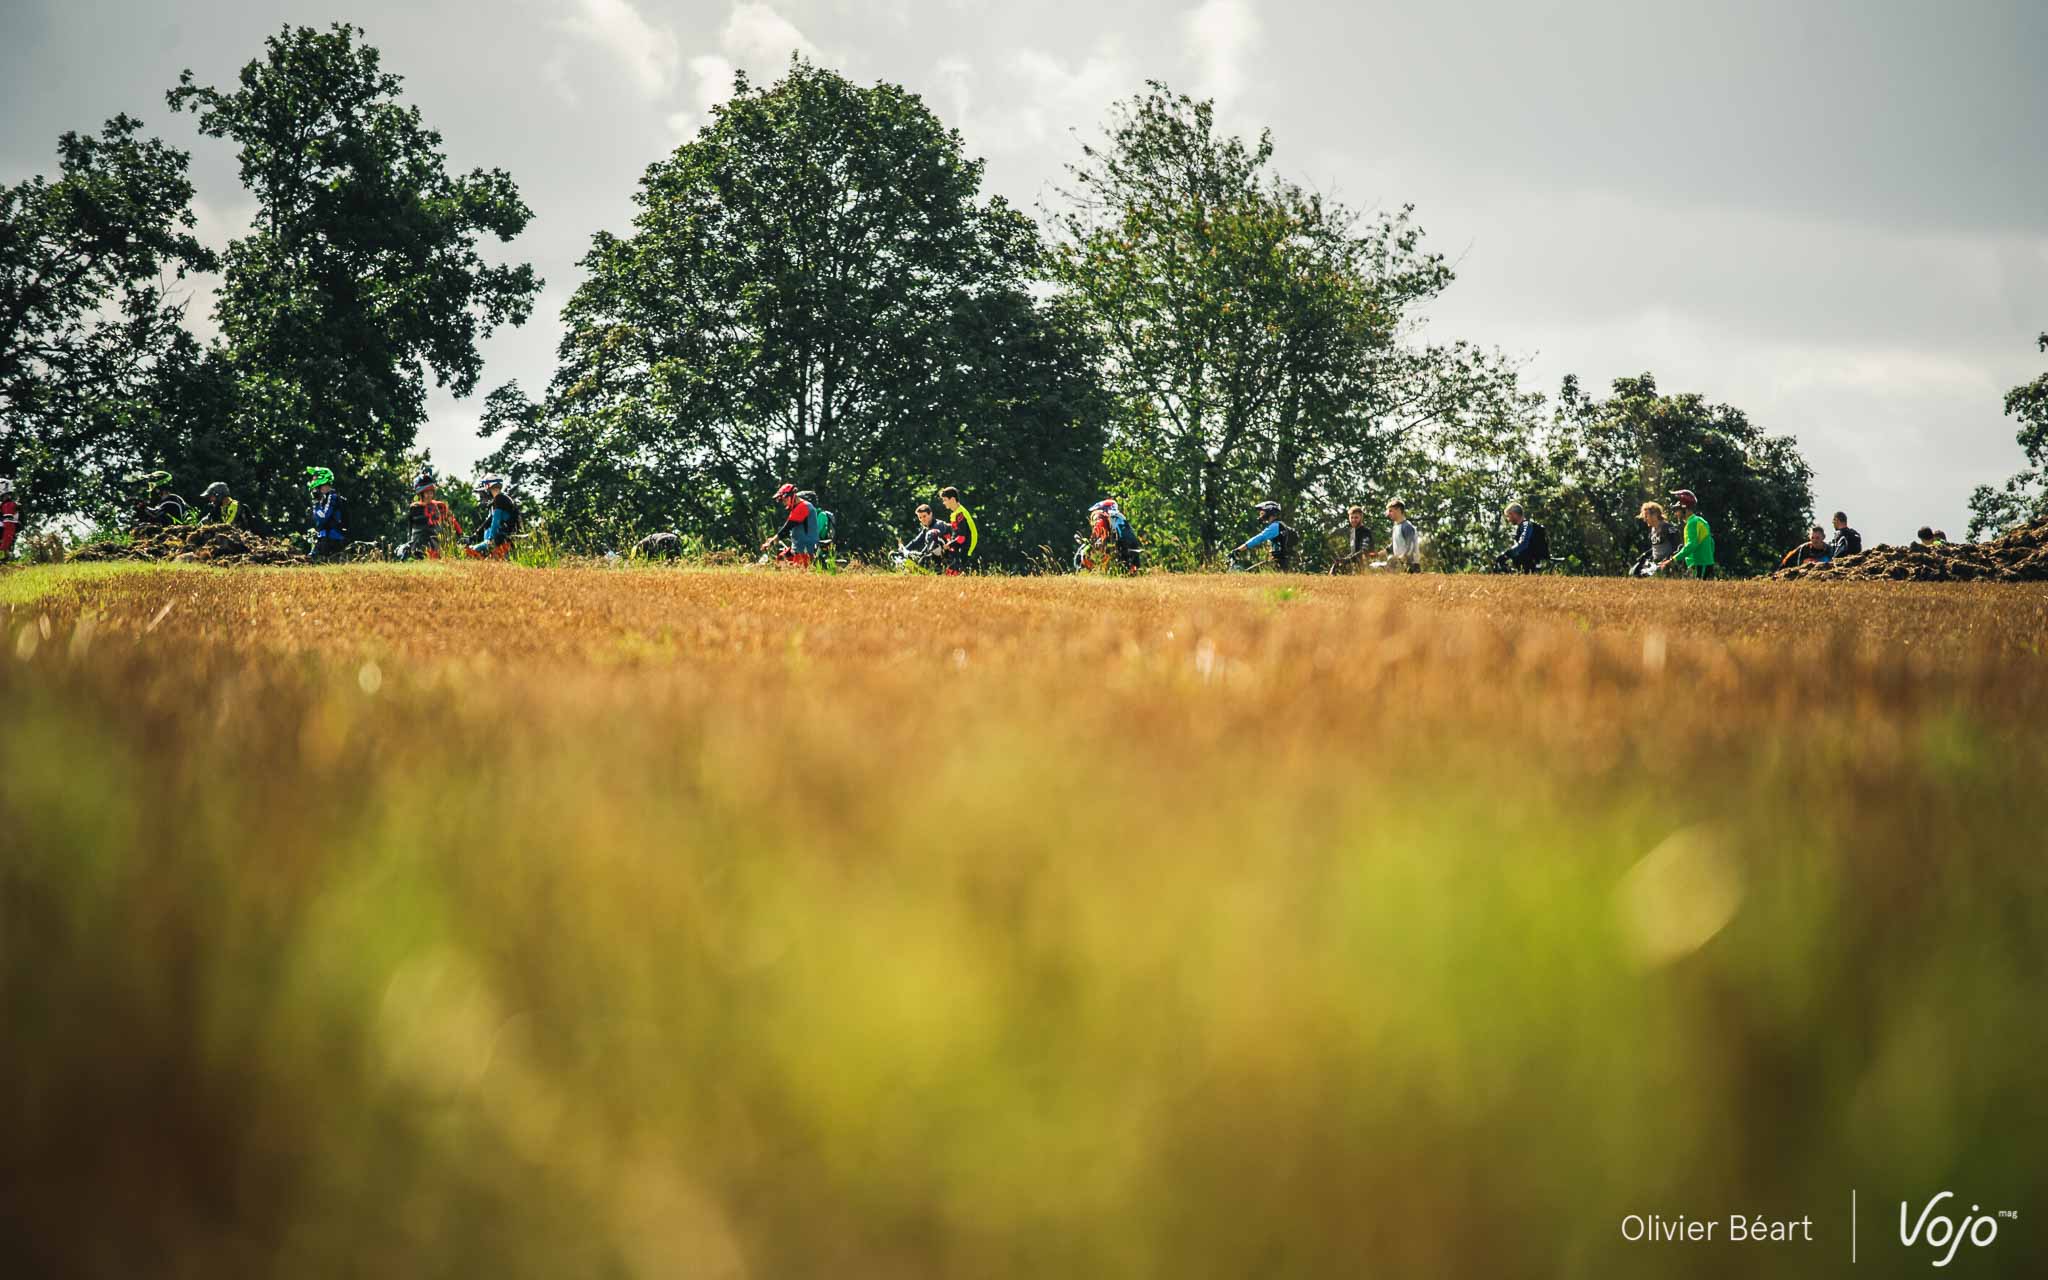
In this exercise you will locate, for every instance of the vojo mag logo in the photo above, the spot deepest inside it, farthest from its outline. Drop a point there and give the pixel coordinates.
(1943, 1230)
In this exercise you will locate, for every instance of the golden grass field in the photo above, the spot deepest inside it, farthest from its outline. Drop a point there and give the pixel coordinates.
(475, 920)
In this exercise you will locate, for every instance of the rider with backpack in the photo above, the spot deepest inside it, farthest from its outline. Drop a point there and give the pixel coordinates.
(1280, 537)
(330, 516)
(428, 520)
(501, 520)
(1531, 548)
(824, 528)
(799, 526)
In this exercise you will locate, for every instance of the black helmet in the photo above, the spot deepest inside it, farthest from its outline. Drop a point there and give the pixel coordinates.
(218, 489)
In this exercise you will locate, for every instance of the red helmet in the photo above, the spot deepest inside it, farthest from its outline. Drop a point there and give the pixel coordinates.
(786, 491)
(1686, 497)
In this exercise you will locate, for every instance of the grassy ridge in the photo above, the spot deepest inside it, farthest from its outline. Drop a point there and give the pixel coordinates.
(711, 923)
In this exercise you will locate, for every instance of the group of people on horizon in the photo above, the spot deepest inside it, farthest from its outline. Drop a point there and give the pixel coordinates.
(1679, 538)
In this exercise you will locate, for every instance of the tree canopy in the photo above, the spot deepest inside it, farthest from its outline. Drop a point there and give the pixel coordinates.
(2025, 496)
(814, 291)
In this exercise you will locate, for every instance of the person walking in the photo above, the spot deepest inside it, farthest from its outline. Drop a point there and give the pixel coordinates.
(1361, 542)
(966, 535)
(1696, 552)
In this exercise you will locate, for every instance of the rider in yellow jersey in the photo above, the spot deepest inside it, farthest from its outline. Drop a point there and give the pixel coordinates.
(966, 537)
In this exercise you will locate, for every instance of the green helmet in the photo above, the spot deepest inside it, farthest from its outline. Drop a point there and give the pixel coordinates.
(317, 476)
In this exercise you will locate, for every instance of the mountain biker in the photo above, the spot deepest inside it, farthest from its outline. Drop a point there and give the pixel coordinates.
(1814, 548)
(428, 520)
(1275, 535)
(220, 508)
(1664, 539)
(823, 530)
(150, 511)
(964, 539)
(1361, 542)
(10, 518)
(1528, 551)
(1404, 544)
(1696, 552)
(501, 520)
(1111, 537)
(797, 527)
(330, 516)
(1847, 541)
(659, 546)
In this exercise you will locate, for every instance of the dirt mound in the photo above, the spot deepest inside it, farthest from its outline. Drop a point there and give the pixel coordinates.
(2021, 555)
(222, 544)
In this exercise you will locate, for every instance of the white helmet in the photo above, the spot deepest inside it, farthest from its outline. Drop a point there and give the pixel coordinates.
(6, 487)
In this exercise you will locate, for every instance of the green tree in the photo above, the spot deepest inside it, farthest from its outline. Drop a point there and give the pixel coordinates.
(2024, 497)
(362, 271)
(814, 292)
(1610, 456)
(92, 339)
(1252, 332)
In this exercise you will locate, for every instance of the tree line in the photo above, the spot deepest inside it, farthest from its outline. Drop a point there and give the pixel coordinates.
(817, 289)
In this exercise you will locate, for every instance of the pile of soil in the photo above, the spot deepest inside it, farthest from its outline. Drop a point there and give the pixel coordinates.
(2021, 555)
(222, 544)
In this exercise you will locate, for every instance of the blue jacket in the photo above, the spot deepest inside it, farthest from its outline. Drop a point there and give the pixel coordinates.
(1525, 538)
(330, 520)
(1269, 534)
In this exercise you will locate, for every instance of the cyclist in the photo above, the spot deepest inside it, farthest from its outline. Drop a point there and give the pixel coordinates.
(1696, 553)
(10, 518)
(150, 511)
(1361, 542)
(330, 516)
(1530, 548)
(428, 520)
(927, 546)
(501, 520)
(1275, 535)
(797, 526)
(220, 507)
(964, 538)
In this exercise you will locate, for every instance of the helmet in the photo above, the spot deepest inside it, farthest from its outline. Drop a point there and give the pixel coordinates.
(424, 480)
(1686, 496)
(806, 495)
(6, 487)
(1268, 508)
(218, 489)
(488, 481)
(148, 479)
(317, 476)
(1107, 504)
(786, 491)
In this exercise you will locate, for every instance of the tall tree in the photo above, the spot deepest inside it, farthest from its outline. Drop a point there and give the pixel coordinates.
(2025, 496)
(362, 271)
(814, 291)
(1612, 455)
(92, 339)
(1249, 326)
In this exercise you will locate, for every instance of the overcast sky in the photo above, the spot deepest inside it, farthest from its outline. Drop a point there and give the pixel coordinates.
(1831, 213)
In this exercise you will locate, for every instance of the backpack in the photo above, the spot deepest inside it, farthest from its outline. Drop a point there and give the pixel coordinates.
(1283, 546)
(822, 523)
(515, 518)
(1126, 537)
(1539, 544)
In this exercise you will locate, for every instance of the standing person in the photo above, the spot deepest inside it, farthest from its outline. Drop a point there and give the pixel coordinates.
(1361, 542)
(1815, 548)
(1275, 534)
(330, 516)
(1664, 540)
(1404, 544)
(1696, 552)
(1847, 541)
(501, 520)
(10, 518)
(798, 527)
(966, 535)
(220, 507)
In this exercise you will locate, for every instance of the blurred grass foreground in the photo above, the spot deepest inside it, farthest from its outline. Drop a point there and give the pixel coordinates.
(484, 921)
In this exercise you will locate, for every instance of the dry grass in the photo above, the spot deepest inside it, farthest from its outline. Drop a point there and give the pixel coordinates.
(473, 919)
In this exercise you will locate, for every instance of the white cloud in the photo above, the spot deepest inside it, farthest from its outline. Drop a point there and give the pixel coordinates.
(1220, 35)
(1041, 96)
(648, 53)
(760, 39)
